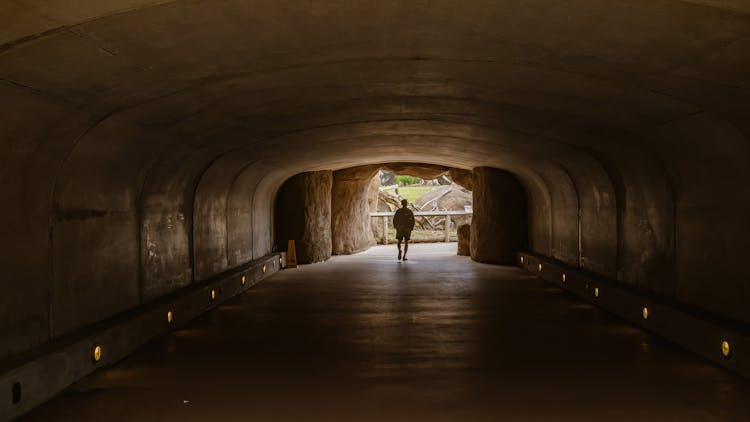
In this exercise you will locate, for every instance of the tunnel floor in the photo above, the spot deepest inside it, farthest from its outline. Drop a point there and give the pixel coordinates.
(364, 337)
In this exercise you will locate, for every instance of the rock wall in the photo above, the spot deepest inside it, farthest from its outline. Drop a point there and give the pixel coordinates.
(423, 171)
(461, 177)
(350, 221)
(499, 227)
(303, 213)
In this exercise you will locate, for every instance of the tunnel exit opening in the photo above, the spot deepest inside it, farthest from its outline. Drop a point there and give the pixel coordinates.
(349, 210)
(440, 206)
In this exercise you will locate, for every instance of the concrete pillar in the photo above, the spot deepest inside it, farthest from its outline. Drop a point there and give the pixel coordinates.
(351, 229)
(303, 213)
(499, 227)
(463, 234)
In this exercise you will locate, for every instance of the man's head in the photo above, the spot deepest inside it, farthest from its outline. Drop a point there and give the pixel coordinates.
(404, 203)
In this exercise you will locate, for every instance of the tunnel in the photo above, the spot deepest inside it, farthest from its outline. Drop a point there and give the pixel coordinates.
(148, 147)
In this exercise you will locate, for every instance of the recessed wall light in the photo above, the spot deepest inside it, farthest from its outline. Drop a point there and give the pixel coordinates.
(213, 294)
(726, 349)
(644, 312)
(169, 316)
(521, 260)
(596, 292)
(264, 268)
(244, 279)
(563, 278)
(540, 267)
(96, 353)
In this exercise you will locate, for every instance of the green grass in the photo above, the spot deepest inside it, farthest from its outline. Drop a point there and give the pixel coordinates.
(411, 193)
(421, 236)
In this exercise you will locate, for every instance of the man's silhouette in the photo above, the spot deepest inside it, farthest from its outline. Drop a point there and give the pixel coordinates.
(403, 221)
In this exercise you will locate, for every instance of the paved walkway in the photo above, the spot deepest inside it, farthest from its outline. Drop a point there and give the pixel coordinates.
(437, 338)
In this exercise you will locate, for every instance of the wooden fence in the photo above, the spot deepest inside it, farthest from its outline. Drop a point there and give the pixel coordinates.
(388, 216)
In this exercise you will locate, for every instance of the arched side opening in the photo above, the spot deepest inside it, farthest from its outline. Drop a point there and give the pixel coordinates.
(499, 228)
(303, 214)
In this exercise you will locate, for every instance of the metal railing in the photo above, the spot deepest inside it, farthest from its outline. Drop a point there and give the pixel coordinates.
(387, 216)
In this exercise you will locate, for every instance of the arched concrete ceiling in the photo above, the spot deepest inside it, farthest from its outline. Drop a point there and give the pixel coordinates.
(239, 70)
(235, 72)
(628, 122)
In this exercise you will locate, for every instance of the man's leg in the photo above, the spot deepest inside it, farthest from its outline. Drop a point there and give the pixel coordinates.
(406, 247)
(399, 249)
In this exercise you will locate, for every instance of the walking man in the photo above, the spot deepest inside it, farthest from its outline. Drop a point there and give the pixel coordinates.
(403, 221)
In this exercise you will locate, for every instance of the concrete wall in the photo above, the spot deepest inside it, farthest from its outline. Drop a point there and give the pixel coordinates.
(119, 233)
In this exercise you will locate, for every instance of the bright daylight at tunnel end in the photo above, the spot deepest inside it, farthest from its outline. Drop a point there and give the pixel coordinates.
(378, 210)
